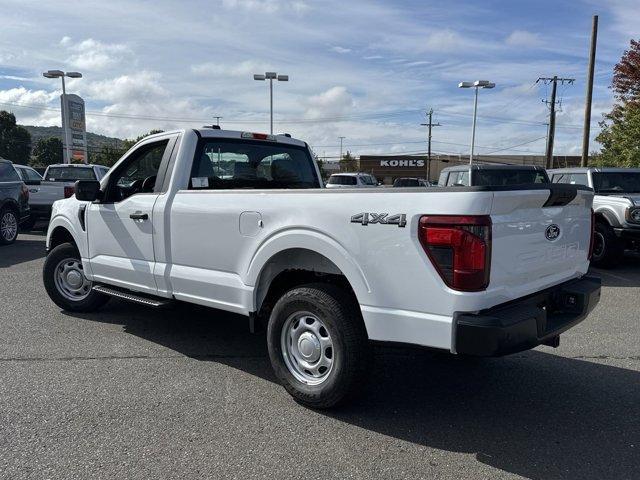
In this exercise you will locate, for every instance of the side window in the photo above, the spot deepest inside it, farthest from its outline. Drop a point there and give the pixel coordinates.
(32, 174)
(138, 173)
(228, 164)
(579, 179)
(561, 178)
(453, 178)
(8, 173)
(458, 179)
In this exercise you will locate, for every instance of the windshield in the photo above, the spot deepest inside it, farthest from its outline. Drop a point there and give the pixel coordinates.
(342, 180)
(69, 174)
(616, 182)
(508, 177)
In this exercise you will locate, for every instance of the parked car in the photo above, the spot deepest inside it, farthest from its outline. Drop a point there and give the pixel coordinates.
(352, 180)
(14, 202)
(59, 182)
(31, 178)
(239, 221)
(616, 206)
(491, 175)
(411, 182)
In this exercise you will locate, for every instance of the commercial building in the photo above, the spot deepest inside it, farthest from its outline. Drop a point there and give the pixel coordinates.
(387, 168)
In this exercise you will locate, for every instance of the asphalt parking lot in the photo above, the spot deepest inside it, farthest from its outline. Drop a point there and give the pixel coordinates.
(188, 393)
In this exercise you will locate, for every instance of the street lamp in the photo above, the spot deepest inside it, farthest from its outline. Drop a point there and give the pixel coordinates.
(61, 74)
(476, 85)
(271, 76)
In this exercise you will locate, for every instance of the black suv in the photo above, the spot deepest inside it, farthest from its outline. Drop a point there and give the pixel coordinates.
(14, 202)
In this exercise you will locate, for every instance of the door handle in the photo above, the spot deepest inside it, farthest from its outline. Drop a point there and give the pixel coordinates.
(139, 216)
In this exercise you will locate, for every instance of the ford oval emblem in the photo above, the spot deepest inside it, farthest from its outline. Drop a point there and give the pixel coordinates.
(552, 232)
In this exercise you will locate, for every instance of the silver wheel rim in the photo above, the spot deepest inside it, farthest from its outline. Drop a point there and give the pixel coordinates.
(70, 280)
(307, 348)
(598, 245)
(9, 226)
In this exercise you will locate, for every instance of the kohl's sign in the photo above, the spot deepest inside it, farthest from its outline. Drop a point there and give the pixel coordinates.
(402, 163)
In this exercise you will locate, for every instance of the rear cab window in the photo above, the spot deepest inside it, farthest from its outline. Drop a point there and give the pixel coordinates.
(223, 164)
(69, 174)
(502, 177)
(458, 179)
(342, 180)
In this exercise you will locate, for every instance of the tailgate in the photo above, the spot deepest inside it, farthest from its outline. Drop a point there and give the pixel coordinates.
(540, 237)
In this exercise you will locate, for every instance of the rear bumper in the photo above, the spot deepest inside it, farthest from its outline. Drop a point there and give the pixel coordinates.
(526, 322)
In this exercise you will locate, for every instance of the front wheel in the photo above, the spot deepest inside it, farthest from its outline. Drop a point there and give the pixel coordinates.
(8, 226)
(65, 282)
(607, 248)
(318, 345)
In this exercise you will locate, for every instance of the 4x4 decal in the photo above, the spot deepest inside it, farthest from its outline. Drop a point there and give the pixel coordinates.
(399, 219)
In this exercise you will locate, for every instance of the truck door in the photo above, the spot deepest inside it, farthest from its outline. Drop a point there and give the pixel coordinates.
(120, 226)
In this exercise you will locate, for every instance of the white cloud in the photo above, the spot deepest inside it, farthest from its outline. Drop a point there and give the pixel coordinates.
(138, 87)
(267, 6)
(523, 38)
(91, 54)
(23, 96)
(333, 102)
(339, 49)
(444, 40)
(242, 69)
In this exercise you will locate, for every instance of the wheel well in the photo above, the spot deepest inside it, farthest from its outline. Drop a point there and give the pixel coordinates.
(293, 267)
(11, 206)
(59, 236)
(599, 217)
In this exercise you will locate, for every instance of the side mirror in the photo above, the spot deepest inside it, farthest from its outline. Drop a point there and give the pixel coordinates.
(88, 190)
(32, 182)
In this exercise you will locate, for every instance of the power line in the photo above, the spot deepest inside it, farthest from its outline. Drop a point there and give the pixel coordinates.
(552, 115)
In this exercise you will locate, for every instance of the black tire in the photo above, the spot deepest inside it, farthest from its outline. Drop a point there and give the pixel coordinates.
(8, 235)
(28, 224)
(607, 249)
(350, 351)
(91, 302)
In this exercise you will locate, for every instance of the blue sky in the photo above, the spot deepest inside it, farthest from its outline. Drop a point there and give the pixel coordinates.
(363, 69)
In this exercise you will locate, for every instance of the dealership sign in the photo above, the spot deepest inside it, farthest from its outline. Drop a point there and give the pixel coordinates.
(73, 120)
(402, 163)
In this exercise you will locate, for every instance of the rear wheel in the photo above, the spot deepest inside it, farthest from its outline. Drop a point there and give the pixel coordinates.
(8, 226)
(318, 345)
(65, 282)
(607, 248)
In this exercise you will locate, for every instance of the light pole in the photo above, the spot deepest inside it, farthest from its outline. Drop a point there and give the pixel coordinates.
(476, 85)
(271, 76)
(61, 74)
(341, 139)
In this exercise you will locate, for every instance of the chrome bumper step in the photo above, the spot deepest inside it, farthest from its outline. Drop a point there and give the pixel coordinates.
(132, 297)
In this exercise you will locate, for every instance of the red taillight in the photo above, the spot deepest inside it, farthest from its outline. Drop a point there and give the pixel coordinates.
(459, 248)
(25, 192)
(258, 136)
(593, 233)
(68, 191)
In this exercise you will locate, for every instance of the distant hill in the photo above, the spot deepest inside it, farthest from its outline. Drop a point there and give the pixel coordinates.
(94, 140)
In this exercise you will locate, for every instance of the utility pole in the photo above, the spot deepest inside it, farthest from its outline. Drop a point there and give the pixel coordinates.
(587, 104)
(341, 139)
(552, 116)
(429, 125)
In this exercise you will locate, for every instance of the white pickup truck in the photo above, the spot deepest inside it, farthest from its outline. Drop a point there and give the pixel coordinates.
(238, 221)
(58, 182)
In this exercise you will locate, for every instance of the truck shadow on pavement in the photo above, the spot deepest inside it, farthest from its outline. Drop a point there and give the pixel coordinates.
(534, 414)
(627, 274)
(23, 250)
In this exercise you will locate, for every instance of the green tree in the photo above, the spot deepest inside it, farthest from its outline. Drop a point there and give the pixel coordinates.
(348, 163)
(107, 155)
(620, 137)
(47, 151)
(127, 144)
(15, 141)
(620, 134)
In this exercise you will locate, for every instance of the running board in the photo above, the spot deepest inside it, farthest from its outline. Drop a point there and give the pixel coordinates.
(132, 297)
